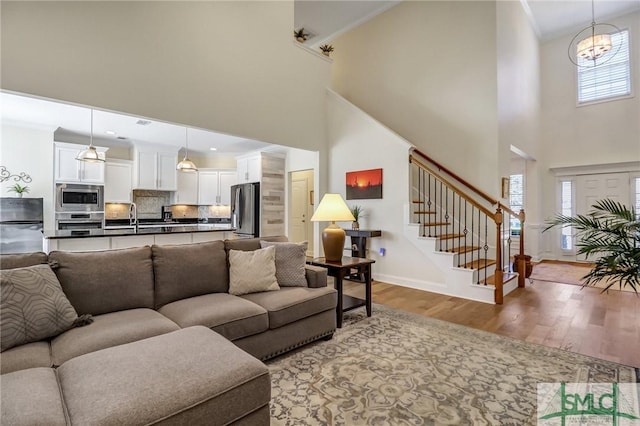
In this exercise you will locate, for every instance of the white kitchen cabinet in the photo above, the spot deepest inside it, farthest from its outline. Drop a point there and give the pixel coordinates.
(227, 179)
(172, 239)
(205, 237)
(68, 169)
(208, 187)
(214, 186)
(118, 179)
(249, 168)
(187, 192)
(154, 169)
(132, 241)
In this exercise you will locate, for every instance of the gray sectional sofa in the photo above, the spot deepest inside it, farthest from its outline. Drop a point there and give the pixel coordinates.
(168, 344)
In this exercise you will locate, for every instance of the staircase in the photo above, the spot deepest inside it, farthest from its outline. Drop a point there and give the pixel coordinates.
(464, 231)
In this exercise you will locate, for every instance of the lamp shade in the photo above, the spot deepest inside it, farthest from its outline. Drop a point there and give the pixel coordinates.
(186, 165)
(332, 208)
(90, 155)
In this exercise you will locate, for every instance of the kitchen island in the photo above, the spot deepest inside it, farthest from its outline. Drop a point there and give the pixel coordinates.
(105, 239)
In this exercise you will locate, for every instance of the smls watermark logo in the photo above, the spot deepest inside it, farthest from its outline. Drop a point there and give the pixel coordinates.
(588, 404)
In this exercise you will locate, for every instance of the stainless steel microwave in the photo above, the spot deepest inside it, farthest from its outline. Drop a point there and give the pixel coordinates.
(79, 198)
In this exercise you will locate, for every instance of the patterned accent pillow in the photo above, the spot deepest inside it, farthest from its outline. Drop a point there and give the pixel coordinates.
(290, 262)
(252, 271)
(32, 306)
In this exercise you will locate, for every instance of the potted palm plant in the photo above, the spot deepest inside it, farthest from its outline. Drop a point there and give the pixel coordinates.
(326, 49)
(19, 190)
(610, 231)
(300, 35)
(356, 211)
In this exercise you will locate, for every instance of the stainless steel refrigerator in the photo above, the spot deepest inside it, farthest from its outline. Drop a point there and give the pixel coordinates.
(245, 209)
(20, 225)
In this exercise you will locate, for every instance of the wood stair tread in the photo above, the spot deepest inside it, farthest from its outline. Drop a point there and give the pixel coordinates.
(435, 224)
(479, 263)
(424, 212)
(449, 236)
(506, 277)
(462, 249)
(417, 202)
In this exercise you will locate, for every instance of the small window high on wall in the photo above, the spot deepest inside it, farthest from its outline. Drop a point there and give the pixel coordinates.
(611, 77)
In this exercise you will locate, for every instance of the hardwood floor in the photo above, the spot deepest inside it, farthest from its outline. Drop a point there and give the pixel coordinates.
(602, 325)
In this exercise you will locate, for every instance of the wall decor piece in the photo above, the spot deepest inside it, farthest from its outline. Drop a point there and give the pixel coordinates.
(364, 184)
(505, 187)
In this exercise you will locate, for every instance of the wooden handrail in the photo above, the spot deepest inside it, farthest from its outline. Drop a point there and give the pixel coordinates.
(456, 177)
(508, 210)
(451, 186)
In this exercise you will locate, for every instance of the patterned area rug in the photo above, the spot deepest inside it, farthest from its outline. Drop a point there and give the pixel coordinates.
(397, 368)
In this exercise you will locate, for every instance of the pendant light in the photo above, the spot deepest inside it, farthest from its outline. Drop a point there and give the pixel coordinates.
(186, 165)
(90, 154)
(592, 43)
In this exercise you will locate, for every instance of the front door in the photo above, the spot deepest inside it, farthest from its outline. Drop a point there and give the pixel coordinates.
(592, 188)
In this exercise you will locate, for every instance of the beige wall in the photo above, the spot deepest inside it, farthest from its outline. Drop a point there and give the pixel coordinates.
(592, 135)
(230, 66)
(519, 109)
(575, 135)
(428, 71)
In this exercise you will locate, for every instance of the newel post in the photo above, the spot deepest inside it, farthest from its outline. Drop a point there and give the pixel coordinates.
(522, 265)
(498, 294)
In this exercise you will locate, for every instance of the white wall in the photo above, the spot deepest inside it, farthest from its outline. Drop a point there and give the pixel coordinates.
(358, 142)
(299, 159)
(427, 70)
(518, 76)
(29, 150)
(230, 66)
(598, 134)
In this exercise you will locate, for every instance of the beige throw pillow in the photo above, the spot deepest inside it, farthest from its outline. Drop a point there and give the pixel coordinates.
(290, 262)
(33, 306)
(252, 271)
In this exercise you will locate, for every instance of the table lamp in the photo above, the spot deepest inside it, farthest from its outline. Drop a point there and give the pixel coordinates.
(332, 208)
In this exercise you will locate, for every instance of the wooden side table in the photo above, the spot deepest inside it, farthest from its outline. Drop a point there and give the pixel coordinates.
(339, 270)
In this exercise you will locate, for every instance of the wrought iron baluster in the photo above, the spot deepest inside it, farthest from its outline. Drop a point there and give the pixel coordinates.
(486, 247)
(429, 204)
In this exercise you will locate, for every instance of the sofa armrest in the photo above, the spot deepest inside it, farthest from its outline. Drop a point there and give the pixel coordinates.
(316, 276)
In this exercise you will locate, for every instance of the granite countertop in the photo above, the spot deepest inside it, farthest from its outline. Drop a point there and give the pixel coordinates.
(56, 234)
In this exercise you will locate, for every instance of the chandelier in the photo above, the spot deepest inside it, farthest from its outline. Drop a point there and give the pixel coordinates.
(592, 43)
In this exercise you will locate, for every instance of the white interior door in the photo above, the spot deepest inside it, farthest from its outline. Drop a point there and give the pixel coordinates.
(592, 188)
(298, 218)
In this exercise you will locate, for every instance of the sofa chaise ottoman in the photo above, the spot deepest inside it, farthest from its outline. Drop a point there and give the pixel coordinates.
(189, 376)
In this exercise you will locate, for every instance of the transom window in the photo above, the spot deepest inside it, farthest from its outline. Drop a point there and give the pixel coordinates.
(610, 77)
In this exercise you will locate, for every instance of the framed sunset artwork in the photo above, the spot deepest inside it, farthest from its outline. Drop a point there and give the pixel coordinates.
(364, 184)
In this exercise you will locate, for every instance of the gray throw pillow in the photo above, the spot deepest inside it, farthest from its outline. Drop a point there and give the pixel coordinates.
(32, 306)
(290, 263)
(252, 271)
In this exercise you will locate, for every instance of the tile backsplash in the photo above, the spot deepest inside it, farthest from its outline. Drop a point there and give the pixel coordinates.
(150, 203)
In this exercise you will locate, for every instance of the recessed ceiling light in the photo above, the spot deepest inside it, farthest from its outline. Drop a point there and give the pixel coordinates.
(143, 122)
(213, 149)
(110, 132)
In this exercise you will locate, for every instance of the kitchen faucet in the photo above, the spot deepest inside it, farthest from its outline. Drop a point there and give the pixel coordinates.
(133, 215)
